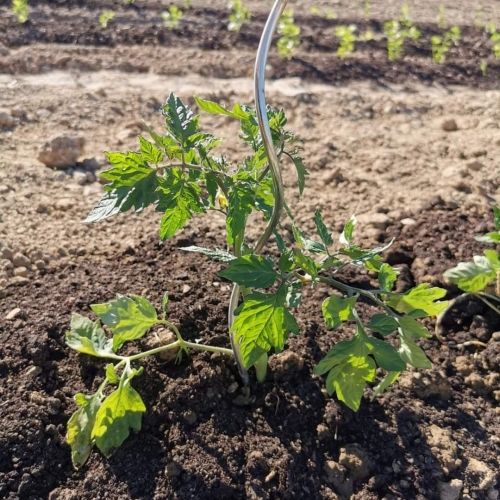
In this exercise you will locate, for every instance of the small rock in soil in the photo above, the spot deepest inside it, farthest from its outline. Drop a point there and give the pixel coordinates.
(21, 271)
(13, 314)
(4, 189)
(62, 152)
(335, 475)
(286, 363)
(356, 461)
(7, 253)
(475, 166)
(256, 462)
(486, 476)
(80, 177)
(163, 337)
(451, 490)
(190, 416)
(6, 120)
(443, 447)
(20, 260)
(376, 220)
(323, 432)
(449, 125)
(428, 384)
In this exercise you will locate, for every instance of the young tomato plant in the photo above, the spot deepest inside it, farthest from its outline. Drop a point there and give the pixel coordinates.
(289, 35)
(397, 32)
(177, 172)
(105, 17)
(441, 44)
(20, 8)
(172, 17)
(480, 277)
(238, 16)
(347, 39)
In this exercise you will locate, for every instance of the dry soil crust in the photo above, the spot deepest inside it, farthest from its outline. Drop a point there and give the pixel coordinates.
(201, 438)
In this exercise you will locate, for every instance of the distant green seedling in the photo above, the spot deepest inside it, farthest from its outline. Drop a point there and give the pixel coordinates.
(20, 8)
(289, 35)
(347, 39)
(172, 17)
(239, 15)
(441, 44)
(494, 38)
(105, 17)
(397, 32)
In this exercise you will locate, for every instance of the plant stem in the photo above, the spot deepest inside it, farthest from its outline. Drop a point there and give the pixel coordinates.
(351, 289)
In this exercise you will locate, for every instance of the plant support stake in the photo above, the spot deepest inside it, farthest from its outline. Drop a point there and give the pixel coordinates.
(265, 130)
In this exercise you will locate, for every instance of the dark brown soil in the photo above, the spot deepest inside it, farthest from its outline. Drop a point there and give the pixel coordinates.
(75, 23)
(201, 440)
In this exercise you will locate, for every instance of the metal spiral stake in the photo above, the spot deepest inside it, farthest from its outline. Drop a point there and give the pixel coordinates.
(265, 131)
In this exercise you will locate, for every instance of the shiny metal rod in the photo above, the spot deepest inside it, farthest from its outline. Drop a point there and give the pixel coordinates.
(267, 139)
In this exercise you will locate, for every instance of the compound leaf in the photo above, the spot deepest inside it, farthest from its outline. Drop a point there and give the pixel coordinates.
(348, 379)
(261, 324)
(383, 324)
(422, 298)
(215, 253)
(88, 337)
(474, 276)
(302, 172)
(348, 232)
(128, 317)
(252, 271)
(119, 413)
(386, 356)
(79, 427)
(337, 310)
(324, 234)
(387, 276)
(410, 330)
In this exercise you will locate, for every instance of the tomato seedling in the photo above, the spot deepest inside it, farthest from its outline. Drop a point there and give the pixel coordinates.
(178, 173)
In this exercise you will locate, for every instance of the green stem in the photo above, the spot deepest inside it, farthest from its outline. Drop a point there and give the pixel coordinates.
(353, 290)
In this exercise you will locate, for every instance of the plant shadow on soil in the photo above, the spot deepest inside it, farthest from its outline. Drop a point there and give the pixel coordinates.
(199, 438)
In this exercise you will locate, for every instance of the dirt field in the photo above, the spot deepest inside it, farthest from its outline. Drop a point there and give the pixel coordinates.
(411, 147)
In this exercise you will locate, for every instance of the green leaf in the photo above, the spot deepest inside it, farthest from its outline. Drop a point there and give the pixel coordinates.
(118, 414)
(150, 152)
(348, 379)
(128, 317)
(174, 219)
(240, 202)
(384, 384)
(386, 356)
(252, 271)
(79, 427)
(261, 324)
(323, 232)
(387, 276)
(414, 328)
(348, 232)
(410, 330)
(340, 351)
(215, 253)
(88, 337)
(306, 263)
(493, 237)
(420, 298)
(383, 324)
(474, 276)
(111, 375)
(337, 309)
(302, 172)
(214, 108)
(180, 121)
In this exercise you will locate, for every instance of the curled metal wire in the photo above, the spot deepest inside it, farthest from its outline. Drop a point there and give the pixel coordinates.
(265, 130)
